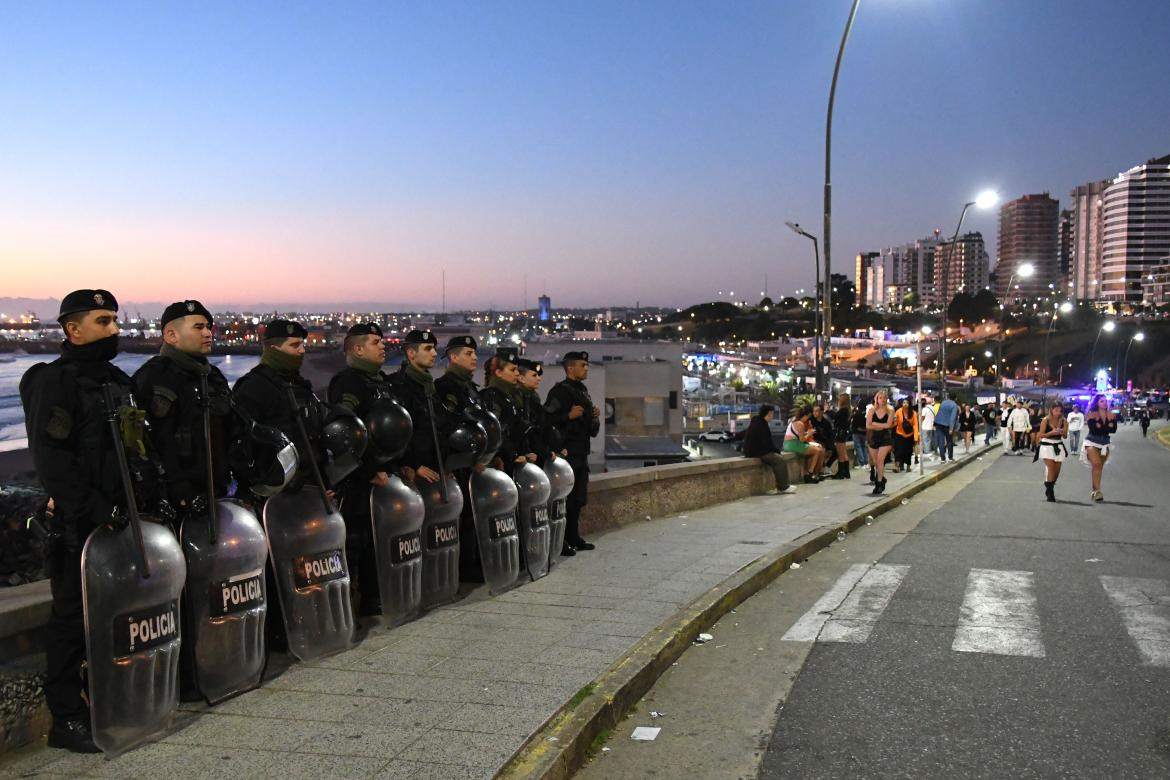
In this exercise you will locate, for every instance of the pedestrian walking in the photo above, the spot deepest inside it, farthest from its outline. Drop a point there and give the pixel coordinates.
(1018, 428)
(1053, 430)
(842, 431)
(1076, 426)
(1144, 420)
(857, 426)
(1034, 418)
(905, 435)
(1101, 423)
(878, 422)
(990, 423)
(946, 420)
(926, 426)
(758, 443)
(968, 419)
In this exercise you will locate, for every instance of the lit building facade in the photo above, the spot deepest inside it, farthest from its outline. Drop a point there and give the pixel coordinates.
(1029, 233)
(1136, 229)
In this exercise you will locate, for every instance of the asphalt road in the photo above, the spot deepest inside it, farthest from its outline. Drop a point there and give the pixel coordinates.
(1004, 636)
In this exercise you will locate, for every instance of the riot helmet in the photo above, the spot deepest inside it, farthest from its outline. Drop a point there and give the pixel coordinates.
(491, 426)
(390, 429)
(465, 444)
(345, 438)
(263, 458)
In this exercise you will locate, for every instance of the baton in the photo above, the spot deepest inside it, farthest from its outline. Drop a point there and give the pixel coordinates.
(438, 452)
(124, 472)
(211, 508)
(296, 408)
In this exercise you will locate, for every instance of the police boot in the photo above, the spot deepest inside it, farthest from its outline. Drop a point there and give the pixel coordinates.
(72, 735)
(1050, 491)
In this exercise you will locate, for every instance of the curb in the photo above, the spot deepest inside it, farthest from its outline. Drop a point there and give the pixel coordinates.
(561, 746)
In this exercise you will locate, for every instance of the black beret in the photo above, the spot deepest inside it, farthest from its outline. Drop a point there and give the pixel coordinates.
(459, 342)
(364, 329)
(524, 364)
(507, 355)
(285, 329)
(181, 309)
(421, 337)
(575, 356)
(86, 300)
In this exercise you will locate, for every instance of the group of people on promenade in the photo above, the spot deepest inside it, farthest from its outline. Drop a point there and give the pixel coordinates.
(898, 435)
(175, 444)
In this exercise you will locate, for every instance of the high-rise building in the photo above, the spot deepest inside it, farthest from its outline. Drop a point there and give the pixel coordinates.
(543, 308)
(909, 270)
(1029, 233)
(1064, 250)
(869, 281)
(1085, 251)
(1156, 283)
(961, 266)
(1136, 228)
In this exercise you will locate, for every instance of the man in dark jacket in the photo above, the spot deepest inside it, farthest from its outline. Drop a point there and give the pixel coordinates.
(576, 420)
(758, 443)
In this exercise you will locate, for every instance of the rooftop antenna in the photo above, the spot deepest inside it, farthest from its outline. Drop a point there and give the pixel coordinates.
(444, 291)
(525, 292)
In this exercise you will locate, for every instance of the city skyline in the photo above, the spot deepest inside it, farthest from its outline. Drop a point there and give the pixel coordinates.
(606, 153)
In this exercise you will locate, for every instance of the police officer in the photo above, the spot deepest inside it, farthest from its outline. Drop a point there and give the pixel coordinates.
(572, 414)
(357, 388)
(66, 419)
(168, 386)
(541, 436)
(458, 393)
(502, 398)
(415, 388)
(262, 394)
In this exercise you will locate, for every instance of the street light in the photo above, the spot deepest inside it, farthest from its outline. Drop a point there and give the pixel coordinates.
(1065, 307)
(1139, 336)
(1024, 271)
(828, 296)
(984, 200)
(1107, 327)
(796, 228)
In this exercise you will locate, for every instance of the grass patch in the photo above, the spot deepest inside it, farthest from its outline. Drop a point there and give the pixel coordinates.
(582, 694)
(598, 743)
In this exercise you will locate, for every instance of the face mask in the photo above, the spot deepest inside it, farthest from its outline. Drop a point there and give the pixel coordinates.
(282, 361)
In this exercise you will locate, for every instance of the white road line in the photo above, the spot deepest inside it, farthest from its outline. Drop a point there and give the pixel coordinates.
(999, 615)
(848, 611)
(1145, 609)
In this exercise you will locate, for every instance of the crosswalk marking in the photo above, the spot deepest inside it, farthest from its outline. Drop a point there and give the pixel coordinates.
(848, 611)
(1144, 605)
(999, 615)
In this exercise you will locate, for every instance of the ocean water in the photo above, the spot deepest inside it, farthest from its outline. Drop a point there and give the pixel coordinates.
(12, 368)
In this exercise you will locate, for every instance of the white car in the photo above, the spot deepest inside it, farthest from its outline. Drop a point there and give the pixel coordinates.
(714, 436)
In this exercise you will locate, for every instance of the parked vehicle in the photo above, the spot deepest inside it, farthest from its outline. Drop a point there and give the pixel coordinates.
(714, 435)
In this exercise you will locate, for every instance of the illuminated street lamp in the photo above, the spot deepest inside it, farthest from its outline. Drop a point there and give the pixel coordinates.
(1065, 308)
(796, 228)
(1107, 327)
(1024, 271)
(984, 200)
(1139, 336)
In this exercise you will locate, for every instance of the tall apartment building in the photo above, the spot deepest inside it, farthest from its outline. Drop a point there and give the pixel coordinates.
(909, 269)
(1085, 251)
(1156, 283)
(961, 266)
(1064, 251)
(1135, 230)
(1029, 232)
(869, 281)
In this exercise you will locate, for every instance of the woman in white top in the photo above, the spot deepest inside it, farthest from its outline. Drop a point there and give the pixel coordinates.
(1053, 429)
(1076, 426)
(926, 426)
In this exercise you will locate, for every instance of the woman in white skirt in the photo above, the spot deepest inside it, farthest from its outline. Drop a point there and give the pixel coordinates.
(1101, 423)
(1053, 429)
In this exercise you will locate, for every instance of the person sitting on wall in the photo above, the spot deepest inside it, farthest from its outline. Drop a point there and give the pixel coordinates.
(758, 443)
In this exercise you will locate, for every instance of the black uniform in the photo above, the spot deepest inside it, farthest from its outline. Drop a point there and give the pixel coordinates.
(457, 392)
(575, 435)
(358, 390)
(432, 423)
(262, 395)
(168, 386)
(501, 400)
(541, 437)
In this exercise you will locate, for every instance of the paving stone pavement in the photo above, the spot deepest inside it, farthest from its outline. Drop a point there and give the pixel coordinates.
(457, 692)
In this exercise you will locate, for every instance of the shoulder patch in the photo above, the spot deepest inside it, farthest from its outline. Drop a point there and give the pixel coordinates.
(162, 398)
(60, 424)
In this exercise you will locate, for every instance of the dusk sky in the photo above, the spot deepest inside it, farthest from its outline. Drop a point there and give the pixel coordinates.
(613, 151)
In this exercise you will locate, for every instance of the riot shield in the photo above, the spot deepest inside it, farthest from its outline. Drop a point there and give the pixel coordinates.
(396, 514)
(307, 547)
(226, 603)
(493, 497)
(532, 518)
(440, 531)
(561, 481)
(132, 632)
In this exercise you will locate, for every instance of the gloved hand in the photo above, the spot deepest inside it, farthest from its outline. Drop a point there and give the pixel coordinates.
(166, 512)
(119, 518)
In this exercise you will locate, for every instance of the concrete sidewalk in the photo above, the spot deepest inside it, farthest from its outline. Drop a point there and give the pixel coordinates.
(457, 693)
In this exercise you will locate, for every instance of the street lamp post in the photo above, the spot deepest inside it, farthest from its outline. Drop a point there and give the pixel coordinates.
(1024, 271)
(984, 200)
(828, 293)
(1065, 307)
(1107, 327)
(1139, 336)
(796, 228)
(918, 373)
